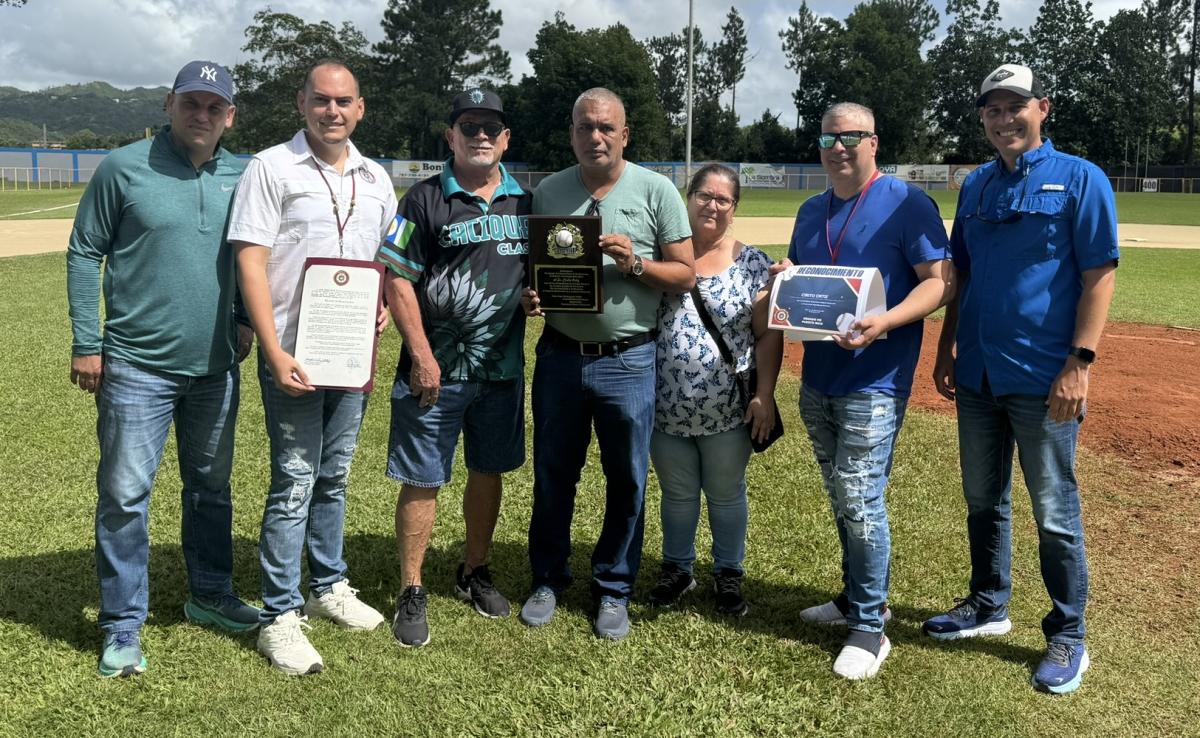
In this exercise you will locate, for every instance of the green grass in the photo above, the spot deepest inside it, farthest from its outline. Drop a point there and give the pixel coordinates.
(683, 672)
(24, 204)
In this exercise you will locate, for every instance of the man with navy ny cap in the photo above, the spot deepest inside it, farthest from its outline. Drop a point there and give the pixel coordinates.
(154, 215)
(1035, 244)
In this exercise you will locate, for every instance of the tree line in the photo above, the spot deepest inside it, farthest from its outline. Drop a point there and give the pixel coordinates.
(1117, 85)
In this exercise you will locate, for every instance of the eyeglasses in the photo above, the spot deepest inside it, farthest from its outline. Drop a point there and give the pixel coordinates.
(492, 128)
(849, 139)
(720, 201)
(1012, 217)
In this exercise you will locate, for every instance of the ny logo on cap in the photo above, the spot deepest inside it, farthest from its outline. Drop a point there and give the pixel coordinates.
(208, 73)
(476, 96)
(1001, 75)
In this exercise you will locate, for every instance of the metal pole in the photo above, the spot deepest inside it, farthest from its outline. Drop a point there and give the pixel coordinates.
(691, 37)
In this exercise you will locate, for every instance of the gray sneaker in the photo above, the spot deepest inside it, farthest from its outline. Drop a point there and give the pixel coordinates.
(612, 620)
(539, 608)
(226, 612)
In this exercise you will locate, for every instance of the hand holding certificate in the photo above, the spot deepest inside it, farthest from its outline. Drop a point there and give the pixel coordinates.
(336, 334)
(824, 303)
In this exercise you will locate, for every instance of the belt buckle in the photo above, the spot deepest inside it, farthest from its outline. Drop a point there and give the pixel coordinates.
(597, 348)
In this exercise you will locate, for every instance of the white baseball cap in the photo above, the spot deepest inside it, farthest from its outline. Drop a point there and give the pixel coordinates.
(1012, 77)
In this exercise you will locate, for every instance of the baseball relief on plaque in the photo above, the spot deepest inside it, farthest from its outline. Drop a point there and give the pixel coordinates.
(566, 264)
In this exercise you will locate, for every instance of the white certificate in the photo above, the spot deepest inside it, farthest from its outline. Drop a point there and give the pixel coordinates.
(815, 303)
(335, 338)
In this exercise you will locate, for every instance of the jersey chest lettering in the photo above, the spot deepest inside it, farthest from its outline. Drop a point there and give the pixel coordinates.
(487, 229)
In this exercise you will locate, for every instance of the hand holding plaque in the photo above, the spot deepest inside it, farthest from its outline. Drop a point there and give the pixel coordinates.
(566, 263)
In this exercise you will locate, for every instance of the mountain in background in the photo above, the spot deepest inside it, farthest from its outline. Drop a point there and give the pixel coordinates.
(91, 114)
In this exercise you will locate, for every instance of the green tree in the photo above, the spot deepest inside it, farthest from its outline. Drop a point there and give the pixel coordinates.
(767, 140)
(566, 62)
(668, 55)
(974, 45)
(433, 49)
(282, 47)
(729, 55)
(85, 139)
(1061, 49)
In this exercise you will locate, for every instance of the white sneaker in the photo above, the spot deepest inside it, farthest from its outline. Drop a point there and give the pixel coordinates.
(829, 614)
(287, 648)
(858, 663)
(341, 605)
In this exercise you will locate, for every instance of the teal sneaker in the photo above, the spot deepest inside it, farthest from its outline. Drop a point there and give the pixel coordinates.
(122, 655)
(226, 612)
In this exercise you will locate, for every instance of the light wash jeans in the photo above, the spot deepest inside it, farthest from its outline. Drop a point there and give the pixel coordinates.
(854, 438)
(988, 429)
(570, 393)
(717, 464)
(135, 409)
(313, 438)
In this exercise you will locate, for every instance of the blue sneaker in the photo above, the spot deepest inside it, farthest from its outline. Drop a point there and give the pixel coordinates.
(226, 612)
(539, 608)
(1062, 668)
(122, 654)
(965, 620)
(612, 620)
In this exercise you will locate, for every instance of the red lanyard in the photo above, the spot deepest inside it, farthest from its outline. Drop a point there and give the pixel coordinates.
(341, 224)
(835, 249)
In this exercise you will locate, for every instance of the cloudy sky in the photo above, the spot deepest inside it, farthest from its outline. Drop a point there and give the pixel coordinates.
(144, 42)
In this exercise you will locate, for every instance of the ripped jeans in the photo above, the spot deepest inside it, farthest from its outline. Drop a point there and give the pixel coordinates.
(853, 438)
(312, 442)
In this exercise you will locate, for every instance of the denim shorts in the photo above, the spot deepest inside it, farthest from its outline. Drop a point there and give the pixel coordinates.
(490, 416)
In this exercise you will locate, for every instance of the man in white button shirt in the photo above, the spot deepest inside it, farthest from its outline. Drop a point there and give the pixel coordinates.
(283, 213)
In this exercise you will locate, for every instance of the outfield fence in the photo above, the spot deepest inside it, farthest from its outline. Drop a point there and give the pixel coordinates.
(42, 178)
(1185, 185)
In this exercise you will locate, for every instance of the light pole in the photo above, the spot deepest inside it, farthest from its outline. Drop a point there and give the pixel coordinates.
(691, 36)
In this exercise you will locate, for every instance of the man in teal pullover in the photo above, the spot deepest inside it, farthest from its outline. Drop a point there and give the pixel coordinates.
(155, 215)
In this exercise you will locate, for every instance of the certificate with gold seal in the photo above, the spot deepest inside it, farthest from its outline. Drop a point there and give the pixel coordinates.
(566, 266)
(335, 334)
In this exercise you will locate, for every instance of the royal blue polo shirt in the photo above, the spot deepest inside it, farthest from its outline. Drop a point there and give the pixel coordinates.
(1025, 238)
(895, 228)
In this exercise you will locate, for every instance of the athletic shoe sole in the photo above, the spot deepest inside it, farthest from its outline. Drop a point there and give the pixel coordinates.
(1066, 687)
(412, 645)
(665, 604)
(200, 616)
(465, 596)
(996, 628)
(124, 671)
(313, 669)
(887, 617)
(736, 613)
(884, 649)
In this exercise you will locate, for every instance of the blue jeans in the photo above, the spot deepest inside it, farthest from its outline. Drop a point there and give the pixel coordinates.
(570, 394)
(313, 438)
(854, 439)
(988, 428)
(135, 409)
(716, 464)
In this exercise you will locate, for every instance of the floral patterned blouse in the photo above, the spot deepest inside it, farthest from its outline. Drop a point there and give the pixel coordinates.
(697, 393)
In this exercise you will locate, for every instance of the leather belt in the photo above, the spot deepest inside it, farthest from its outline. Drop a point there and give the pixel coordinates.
(598, 348)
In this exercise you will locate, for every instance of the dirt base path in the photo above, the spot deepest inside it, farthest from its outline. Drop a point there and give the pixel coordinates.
(1144, 398)
(19, 237)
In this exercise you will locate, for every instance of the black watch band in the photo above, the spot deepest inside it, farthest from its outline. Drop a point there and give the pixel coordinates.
(1086, 355)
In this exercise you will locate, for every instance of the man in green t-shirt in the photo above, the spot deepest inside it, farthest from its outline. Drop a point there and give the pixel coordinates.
(154, 215)
(598, 370)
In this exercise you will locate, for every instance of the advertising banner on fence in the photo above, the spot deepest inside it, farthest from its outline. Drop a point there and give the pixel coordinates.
(918, 172)
(958, 174)
(760, 175)
(415, 170)
(671, 172)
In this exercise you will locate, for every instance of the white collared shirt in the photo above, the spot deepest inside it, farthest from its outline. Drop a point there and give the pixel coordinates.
(283, 203)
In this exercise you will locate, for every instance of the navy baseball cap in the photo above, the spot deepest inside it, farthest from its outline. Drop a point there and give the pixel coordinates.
(476, 99)
(204, 76)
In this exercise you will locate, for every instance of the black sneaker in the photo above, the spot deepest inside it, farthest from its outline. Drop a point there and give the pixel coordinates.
(408, 624)
(477, 588)
(673, 582)
(728, 585)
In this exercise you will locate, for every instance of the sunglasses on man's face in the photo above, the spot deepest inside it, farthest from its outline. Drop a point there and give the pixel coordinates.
(492, 128)
(849, 139)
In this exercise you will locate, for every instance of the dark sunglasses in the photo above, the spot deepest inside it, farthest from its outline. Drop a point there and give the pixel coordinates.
(492, 128)
(849, 139)
(1012, 217)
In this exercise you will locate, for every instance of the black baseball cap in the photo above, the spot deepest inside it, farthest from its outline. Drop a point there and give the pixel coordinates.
(476, 98)
(204, 76)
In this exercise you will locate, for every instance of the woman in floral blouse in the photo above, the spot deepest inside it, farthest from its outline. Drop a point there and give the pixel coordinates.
(702, 428)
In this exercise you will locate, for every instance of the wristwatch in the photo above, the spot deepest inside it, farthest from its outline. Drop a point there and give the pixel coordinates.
(638, 268)
(1086, 355)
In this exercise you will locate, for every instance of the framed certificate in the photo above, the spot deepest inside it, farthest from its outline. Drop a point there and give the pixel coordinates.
(335, 335)
(815, 303)
(566, 265)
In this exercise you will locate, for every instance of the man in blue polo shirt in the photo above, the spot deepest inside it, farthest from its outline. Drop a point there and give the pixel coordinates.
(1035, 239)
(855, 388)
(456, 265)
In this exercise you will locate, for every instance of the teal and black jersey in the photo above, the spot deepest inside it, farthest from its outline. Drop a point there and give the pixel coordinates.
(467, 259)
